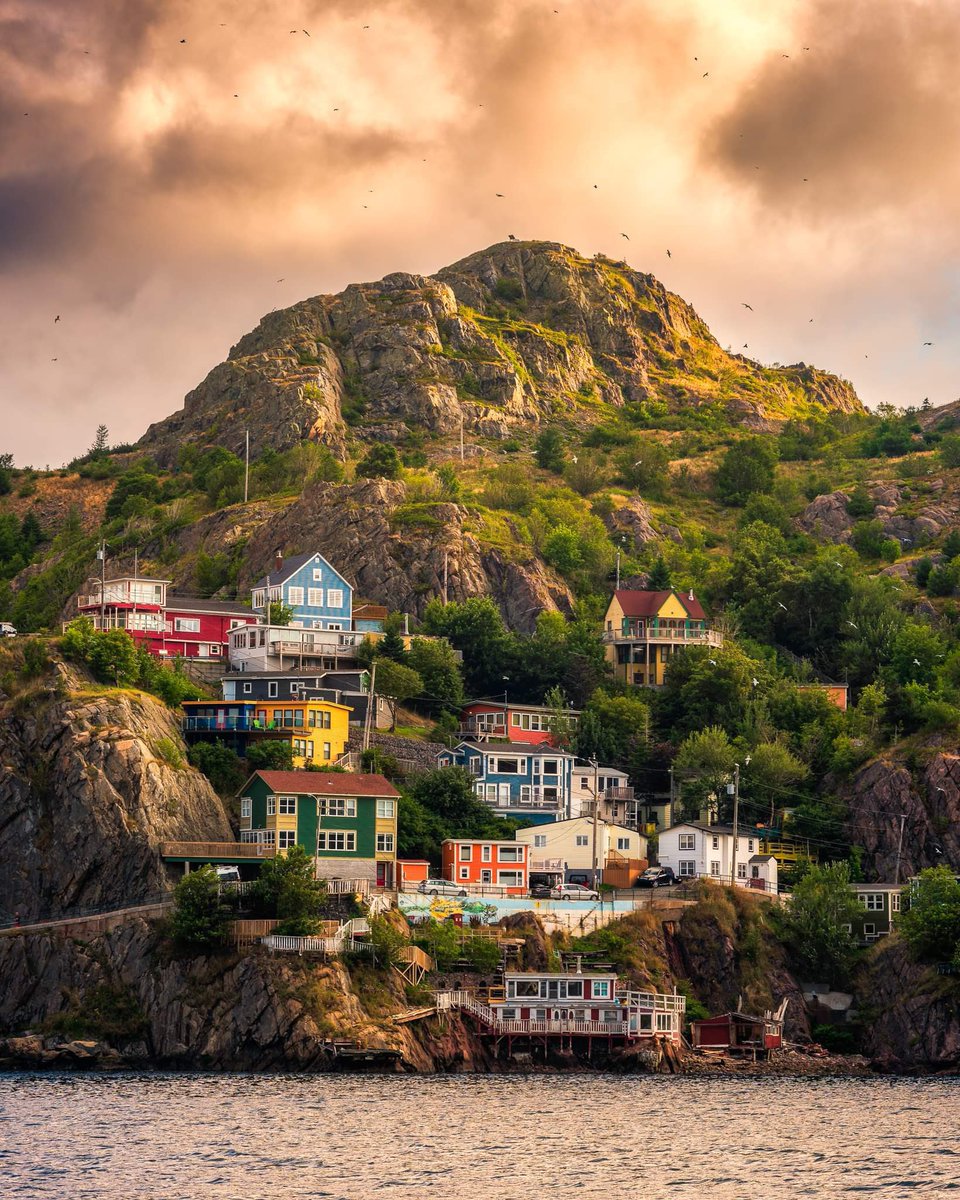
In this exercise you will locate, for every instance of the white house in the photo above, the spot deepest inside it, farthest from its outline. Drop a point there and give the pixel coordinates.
(607, 785)
(567, 846)
(693, 850)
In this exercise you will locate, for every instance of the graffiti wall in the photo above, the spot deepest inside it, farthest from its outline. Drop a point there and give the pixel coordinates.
(572, 915)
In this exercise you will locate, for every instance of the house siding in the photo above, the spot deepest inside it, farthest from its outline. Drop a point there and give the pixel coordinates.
(302, 579)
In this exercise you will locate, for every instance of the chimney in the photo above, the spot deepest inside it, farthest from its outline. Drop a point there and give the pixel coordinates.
(691, 595)
(278, 560)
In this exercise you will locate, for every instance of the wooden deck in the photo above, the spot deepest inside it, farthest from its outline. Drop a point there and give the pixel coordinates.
(227, 852)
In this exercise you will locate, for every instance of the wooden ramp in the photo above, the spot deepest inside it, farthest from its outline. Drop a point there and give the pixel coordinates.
(414, 964)
(415, 1014)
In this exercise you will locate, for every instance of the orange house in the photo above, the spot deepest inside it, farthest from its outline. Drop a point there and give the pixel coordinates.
(485, 863)
(411, 872)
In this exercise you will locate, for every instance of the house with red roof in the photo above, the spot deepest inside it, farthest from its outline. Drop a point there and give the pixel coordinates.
(644, 629)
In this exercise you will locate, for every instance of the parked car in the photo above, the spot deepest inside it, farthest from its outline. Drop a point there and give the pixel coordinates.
(657, 877)
(573, 891)
(541, 891)
(227, 874)
(441, 887)
(7, 630)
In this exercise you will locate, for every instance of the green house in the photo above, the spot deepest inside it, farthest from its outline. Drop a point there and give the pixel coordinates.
(881, 904)
(347, 822)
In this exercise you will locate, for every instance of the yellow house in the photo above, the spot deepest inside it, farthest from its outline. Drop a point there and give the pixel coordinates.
(317, 730)
(644, 629)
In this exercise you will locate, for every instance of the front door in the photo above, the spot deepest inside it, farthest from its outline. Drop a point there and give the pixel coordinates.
(503, 794)
(486, 875)
(382, 874)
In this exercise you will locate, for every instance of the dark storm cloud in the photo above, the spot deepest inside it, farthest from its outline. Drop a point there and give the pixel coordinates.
(868, 116)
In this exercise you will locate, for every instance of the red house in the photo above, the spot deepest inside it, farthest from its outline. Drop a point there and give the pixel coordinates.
(501, 864)
(167, 625)
(511, 722)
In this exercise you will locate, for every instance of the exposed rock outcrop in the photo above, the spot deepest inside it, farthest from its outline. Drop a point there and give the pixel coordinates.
(393, 552)
(910, 522)
(929, 800)
(87, 793)
(912, 1013)
(515, 334)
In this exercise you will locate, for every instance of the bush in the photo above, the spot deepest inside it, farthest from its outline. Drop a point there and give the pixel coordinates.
(168, 751)
(288, 889)
(199, 920)
(380, 462)
(931, 924)
(749, 466)
(220, 765)
(35, 658)
(562, 550)
(549, 450)
(270, 756)
(950, 450)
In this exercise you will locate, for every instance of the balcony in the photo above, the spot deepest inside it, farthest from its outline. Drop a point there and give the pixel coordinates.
(217, 851)
(663, 635)
(241, 724)
(131, 621)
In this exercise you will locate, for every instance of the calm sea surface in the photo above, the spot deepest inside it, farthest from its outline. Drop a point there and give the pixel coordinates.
(493, 1138)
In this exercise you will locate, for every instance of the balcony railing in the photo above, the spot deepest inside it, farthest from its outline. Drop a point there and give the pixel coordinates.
(208, 851)
(707, 637)
(134, 622)
(240, 724)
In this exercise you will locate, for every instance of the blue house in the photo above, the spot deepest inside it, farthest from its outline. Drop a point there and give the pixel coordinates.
(517, 779)
(318, 594)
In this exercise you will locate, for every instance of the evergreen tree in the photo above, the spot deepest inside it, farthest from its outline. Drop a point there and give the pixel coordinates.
(549, 450)
(659, 578)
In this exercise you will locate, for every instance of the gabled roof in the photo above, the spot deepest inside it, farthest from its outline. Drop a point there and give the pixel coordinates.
(326, 783)
(292, 565)
(601, 824)
(648, 604)
(522, 749)
(232, 608)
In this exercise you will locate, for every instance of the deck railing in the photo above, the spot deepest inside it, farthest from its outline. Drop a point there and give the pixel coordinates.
(633, 1002)
(347, 937)
(708, 637)
(207, 851)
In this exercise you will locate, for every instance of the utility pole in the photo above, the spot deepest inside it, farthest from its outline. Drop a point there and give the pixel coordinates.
(735, 789)
(246, 469)
(371, 706)
(102, 555)
(461, 436)
(596, 822)
(896, 873)
(672, 801)
(618, 568)
(446, 575)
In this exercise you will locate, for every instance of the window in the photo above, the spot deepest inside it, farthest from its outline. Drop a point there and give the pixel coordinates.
(741, 870)
(215, 649)
(509, 766)
(287, 805)
(474, 765)
(749, 845)
(247, 689)
(334, 598)
(466, 853)
(236, 625)
(258, 599)
(335, 839)
(895, 902)
(869, 929)
(246, 805)
(315, 597)
(582, 839)
(294, 595)
(510, 854)
(688, 841)
(515, 720)
(574, 989)
(623, 843)
(326, 749)
(317, 575)
(645, 1022)
(664, 1022)
(872, 901)
(539, 840)
(526, 988)
(714, 869)
(186, 624)
(715, 842)
(688, 868)
(271, 806)
(272, 689)
(510, 878)
(286, 838)
(509, 1014)
(464, 872)
(486, 853)
(338, 806)
(386, 809)
(601, 989)
(384, 843)
(550, 766)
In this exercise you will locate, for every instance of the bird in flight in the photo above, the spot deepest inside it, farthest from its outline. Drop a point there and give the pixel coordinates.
(669, 255)
(745, 346)
(183, 41)
(623, 235)
(56, 318)
(928, 343)
(304, 31)
(281, 279)
(499, 195)
(705, 74)
(746, 305)
(54, 360)
(593, 185)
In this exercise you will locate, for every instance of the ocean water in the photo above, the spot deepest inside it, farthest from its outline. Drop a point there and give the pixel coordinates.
(493, 1137)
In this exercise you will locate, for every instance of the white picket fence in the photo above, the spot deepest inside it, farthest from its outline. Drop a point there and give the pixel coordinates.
(347, 938)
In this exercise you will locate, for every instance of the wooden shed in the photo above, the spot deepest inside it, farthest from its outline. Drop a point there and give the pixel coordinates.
(740, 1032)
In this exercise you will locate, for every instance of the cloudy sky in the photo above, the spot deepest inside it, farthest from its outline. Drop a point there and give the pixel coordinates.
(164, 163)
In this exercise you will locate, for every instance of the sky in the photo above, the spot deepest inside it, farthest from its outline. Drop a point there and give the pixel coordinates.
(172, 170)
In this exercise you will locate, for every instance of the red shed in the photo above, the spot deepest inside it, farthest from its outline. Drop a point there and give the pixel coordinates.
(740, 1031)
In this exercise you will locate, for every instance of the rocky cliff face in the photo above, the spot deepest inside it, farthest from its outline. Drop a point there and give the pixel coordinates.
(516, 334)
(87, 793)
(393, 553)
(929, 799)
(911, 1014)
(913, 521)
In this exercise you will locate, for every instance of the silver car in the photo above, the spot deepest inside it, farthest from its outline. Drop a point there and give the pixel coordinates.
(441, 887)
(573, 891)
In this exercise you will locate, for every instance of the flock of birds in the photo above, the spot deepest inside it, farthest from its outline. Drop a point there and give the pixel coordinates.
(502, 195)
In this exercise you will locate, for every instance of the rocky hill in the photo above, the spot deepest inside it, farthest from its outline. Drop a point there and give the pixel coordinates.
(514, 335)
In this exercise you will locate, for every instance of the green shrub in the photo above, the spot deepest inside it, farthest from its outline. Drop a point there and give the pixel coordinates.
(167, 750)
(220, 765)
(380, 462)
(199, 919)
